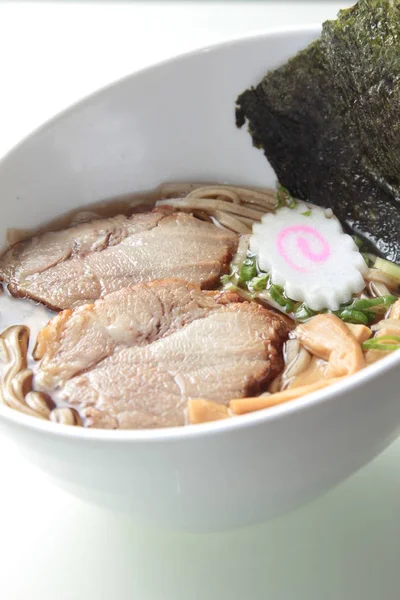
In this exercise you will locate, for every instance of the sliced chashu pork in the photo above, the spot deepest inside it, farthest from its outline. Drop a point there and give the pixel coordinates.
(68, 268)
(134, 358)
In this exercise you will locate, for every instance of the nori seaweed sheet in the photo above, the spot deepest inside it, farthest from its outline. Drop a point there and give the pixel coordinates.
(329, 122)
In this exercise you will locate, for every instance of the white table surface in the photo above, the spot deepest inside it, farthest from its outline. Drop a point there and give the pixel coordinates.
(345, 546)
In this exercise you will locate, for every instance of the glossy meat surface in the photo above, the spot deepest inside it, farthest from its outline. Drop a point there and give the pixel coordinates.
(68, 268)
(134, 358)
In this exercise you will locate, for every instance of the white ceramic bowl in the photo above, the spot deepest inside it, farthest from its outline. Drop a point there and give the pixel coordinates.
(171, 122)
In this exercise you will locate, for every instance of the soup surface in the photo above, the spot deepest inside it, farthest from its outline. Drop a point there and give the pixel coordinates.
(207, 303)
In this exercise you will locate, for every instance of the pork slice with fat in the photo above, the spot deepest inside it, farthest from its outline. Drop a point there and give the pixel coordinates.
(68, 268)
(133, 359)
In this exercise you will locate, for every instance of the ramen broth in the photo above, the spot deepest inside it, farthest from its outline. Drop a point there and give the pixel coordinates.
(248, 215)
(24, 312)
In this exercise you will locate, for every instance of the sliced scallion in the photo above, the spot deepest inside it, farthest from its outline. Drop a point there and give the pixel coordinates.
(303, 313)
(284, 198)
(277, 294)
(258, 283)
(380, 343)
(368, 303)
(248, 270)
(226, 279)
(371, 315)
(349, 315)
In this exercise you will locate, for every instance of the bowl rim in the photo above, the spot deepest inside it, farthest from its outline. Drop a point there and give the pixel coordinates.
(267, 32)
(226, 426)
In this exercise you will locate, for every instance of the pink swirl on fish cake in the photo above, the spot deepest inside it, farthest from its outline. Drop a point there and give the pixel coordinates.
(303, 245)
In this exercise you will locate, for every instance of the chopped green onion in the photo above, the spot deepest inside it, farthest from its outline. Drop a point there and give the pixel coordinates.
(230, 286)
(246, 295)
(281, 201)
(306, 213)
(366, 303)
(246, 277)
(232, 278)
(282, 194)
(225, 279)
(259, 283)
(277, 294)
(284, 198)
(248, 270)
(387, 267)
(364, 310)
(371, 316)
(303, 313)
(353, 316)
(379, 344)
(389, 299)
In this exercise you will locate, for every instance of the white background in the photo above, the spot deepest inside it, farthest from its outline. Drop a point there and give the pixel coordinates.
(345, 546)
